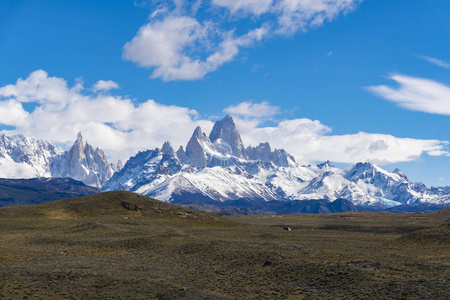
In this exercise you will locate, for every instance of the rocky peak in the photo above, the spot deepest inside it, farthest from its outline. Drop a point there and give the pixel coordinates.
(325, 165)
(281, 158)
(199, 135)
(168, 149)
(35, 154)
(77, 151)
(361, 170)
(260, 152)
(400, 173)
(79, 136)
(263, 152)
(225, 130)
(365, 165)
(119, 165)
(79, 143)
(83, 163)
(181, 154)
(195, 149)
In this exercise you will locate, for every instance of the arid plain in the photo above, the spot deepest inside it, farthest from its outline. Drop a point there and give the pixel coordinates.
(120, 245)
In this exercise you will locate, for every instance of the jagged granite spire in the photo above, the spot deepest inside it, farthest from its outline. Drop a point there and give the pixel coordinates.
(195, 152)
(83, 163)
(119, 165)
(225, 130)
(260, 152)
(181, 154)
(263, 152)
(400, 173)
(168, 149)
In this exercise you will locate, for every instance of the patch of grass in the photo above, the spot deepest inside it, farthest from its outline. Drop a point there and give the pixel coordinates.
(98, 248)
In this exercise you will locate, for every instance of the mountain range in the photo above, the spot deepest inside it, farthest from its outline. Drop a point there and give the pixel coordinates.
(27, 157)
(219, 170)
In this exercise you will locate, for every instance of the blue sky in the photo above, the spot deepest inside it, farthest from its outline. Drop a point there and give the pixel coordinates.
(344, 80)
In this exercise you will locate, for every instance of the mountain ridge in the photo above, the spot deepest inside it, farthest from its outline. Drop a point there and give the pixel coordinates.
(218, 168)
(214, 170)
(27, 157)
(39, 190)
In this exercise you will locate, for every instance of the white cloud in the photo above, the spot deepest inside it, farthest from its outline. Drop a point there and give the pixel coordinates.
(105, 85)
(39, 88)
(249, 109)
(417, 94)
(297, 15)
(178, 43)
(437, 62)
(165, 45)
(309, 140)
(121, 128)
(438, 152)
(255, 7)
(378, 145)
(161, 45)
(115, 124)
(12, 113)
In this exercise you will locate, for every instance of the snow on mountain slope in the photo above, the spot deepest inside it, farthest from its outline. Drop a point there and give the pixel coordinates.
(26, 157)
(83, 163)
(215, 168)
(219, 168)
(161, 176)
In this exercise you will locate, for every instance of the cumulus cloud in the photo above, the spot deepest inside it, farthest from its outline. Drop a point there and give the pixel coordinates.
(294, 15)
(417, 94)
(249, 109)
(170, 47)
(122, 127)
(309, 140)
(179, 43)
(39, 88)
(116, 124)
(12, 113)
(437, 62)
(105, 85)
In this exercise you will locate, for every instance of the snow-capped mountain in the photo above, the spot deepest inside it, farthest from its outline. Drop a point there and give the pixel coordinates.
(220, 168)
(83, 163)
(26, 157)
(216, 168)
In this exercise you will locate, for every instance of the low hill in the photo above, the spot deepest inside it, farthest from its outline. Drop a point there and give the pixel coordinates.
(38, 190)
(115, 204)
(445, 210)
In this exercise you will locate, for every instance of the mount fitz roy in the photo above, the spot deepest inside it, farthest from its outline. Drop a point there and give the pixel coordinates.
(218, 169)
(26, 157)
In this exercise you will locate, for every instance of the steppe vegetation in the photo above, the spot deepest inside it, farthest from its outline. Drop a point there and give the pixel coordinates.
(119, 245)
